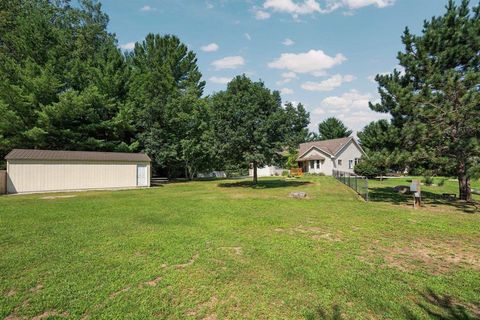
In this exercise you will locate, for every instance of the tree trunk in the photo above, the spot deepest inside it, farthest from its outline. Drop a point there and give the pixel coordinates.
(255, 176)
(465, 193)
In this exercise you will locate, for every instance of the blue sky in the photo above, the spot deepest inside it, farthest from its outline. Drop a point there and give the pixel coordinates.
(322, 53)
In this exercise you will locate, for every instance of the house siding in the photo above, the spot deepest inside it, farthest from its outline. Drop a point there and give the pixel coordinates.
(45, 175)
(349, 152)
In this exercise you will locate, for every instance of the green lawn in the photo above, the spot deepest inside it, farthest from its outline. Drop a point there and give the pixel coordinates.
(222, 249)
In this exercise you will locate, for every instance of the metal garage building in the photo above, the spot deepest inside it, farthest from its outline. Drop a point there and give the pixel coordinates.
(46, 170)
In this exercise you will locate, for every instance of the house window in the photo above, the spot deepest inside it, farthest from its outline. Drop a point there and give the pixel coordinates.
(339, 162)
(357, 160)
(312, 164)
(318, 164)
(350, 164)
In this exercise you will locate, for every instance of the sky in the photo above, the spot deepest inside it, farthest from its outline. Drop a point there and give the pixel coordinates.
(321, 53)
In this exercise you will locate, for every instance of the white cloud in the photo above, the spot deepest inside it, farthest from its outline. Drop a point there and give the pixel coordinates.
(351, 107)
(232, 62)
(261, 14)
(288, 42)
(329, 84)
(212, 47)
(220, 80)
(294, 8)
(147, 8)
(303, 7)
(314, 62)
(291, 75)
(286, 91)
(128, 46)
(247, 36)
(357, 4)
(209, 5)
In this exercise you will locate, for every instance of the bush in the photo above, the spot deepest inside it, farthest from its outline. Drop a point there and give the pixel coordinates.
(441, 183)
(285, 173)
(367, 169)
(428, 180)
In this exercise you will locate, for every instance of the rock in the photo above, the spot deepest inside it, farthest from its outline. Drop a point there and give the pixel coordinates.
(476, 191)
(298, 195)
(402, 189)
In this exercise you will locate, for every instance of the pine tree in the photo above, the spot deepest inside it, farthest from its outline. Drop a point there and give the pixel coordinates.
(332, 128)
(434, 103)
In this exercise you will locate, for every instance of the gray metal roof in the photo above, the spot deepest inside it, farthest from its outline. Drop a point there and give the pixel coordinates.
(31, 154)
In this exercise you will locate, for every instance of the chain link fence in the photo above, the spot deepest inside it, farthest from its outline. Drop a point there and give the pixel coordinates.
(357, 183)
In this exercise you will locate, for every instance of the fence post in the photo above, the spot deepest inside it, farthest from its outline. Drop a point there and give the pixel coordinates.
(366, 191)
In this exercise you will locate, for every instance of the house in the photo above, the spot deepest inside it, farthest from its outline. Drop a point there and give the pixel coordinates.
(47, 170)
(267, 171)
(325, 156)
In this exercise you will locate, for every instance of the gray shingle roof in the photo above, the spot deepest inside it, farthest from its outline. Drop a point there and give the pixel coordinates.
(329, 146)
(30, 154)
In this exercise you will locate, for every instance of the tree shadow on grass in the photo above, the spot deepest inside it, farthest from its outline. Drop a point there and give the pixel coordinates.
(264, 184)
(388, 194)
(444, 307)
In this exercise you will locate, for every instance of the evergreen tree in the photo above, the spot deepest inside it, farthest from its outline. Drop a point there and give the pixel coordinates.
(332, 128)
(164, 88)
(434, 103)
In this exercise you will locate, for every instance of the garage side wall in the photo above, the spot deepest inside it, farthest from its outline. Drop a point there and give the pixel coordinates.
(40, 176)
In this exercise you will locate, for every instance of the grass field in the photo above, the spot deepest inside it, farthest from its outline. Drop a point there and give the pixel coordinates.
(222, 249)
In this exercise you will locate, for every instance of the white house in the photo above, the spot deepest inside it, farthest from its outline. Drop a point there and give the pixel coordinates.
(46, 170)
(325, 156)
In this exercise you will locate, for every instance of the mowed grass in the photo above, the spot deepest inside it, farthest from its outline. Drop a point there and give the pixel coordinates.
(222, 249)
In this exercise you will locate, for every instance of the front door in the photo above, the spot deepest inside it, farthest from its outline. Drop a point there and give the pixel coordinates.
(141, 175)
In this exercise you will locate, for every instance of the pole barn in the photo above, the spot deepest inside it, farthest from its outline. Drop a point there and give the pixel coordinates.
(47, 170)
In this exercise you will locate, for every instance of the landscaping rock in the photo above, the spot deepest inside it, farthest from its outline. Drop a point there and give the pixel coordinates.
(402, 189)
(298, 195)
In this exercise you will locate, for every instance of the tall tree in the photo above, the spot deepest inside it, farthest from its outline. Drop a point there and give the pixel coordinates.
(434, 103)
(62, 78)
(164, 87)
(249, 124)
(296, 124)
(332, 128)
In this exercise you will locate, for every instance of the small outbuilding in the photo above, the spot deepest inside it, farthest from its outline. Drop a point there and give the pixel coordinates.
(48, 170)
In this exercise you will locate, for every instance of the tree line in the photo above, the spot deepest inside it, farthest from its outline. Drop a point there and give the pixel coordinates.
(65, 84)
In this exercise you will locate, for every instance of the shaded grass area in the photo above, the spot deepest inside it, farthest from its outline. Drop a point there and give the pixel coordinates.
(225, 249)
(383, 191)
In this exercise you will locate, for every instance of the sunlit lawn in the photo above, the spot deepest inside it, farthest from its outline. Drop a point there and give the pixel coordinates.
(222, 249)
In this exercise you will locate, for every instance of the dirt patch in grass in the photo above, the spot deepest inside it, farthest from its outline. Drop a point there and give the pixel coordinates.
(37, 288)
(186, 264)
(10, 293)
(314, 232)
(205, 307)
(436, 257)
(49, 314)
(236, 250)
(57, 197)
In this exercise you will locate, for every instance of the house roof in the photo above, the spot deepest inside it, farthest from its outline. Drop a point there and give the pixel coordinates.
(331, 147)
(30, 154)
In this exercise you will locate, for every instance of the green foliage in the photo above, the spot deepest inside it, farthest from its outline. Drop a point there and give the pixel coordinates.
(368, 168)
(427, 180)
(250, 124)
(434, 102)
(332, 128)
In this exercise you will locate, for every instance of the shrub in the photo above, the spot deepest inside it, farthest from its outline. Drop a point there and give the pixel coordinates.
(441, 183)
(367, 169)
(285, 173)
(428, 180)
